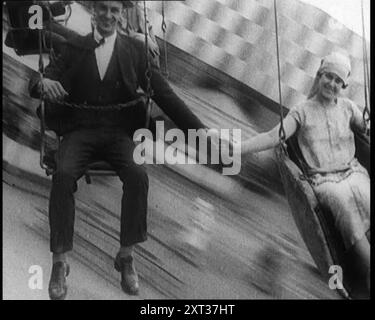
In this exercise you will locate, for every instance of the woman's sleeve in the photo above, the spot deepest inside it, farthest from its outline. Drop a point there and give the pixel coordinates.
(356, 120)
(297, 113)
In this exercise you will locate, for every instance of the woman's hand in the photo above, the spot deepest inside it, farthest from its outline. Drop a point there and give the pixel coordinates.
(215, 137)
(223, 143)
(270, 139)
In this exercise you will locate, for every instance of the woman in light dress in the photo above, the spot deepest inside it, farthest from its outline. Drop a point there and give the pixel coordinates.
(325, 124)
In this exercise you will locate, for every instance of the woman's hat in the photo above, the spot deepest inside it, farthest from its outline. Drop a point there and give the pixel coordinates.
(337, 63)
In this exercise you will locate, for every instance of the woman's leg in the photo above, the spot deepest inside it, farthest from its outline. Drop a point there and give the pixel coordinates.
(349, 202)
(358, 261)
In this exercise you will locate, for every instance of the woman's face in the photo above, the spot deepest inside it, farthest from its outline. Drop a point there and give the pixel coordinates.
(330, 86)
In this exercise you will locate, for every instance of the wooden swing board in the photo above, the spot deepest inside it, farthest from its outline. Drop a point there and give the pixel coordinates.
(324, 248)
(362, 146)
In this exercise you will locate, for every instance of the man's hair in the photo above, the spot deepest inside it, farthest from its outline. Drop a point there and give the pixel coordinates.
(125, 4)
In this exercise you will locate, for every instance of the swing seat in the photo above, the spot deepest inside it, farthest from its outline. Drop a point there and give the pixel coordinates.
(315, 223)
(48, 158)
(99, 168)
(96, 168)
(362, 146)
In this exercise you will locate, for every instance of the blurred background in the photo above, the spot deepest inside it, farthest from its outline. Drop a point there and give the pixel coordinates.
(210, 236)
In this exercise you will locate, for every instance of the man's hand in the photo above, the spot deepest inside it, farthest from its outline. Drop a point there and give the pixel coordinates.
(53, 90)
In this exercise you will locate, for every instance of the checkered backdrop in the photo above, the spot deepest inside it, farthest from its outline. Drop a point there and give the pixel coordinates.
(237, 37)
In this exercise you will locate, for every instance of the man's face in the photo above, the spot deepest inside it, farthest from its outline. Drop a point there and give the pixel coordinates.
(107, 14)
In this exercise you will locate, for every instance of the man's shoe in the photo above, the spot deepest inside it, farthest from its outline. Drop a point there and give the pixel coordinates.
(57, 288)
(129, 277)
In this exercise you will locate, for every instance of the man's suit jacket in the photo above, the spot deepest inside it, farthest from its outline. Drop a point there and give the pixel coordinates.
(133, 65)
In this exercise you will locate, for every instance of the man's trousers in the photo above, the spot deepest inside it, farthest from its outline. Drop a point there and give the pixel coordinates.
(77, 150)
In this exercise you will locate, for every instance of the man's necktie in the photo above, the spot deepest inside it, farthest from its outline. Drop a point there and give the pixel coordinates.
(94, 44)
(101, 42)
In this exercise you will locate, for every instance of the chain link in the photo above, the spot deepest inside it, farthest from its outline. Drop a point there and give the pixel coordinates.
(366, 79)
(148, 72)
(110, 107)
(366, 114)
(282, 134)
(366, 119)
(164, 29)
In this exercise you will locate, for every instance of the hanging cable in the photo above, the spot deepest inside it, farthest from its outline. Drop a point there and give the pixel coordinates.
(148, 74)
(164, 29)
(42, 102)
(51, 20)
(282, 134)
(366, 79)
(281, 130)
(365, 47)
(52, 55)
(52, 58)
(127, 21)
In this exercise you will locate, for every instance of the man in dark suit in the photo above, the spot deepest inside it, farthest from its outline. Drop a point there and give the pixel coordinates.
(102, 68)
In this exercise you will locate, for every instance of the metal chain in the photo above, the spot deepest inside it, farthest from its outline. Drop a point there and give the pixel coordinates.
(41, 43)
(52, 54)
(110, 107)
(164, 29)
(282, 134)
(148, 72)
(127, 28)
(365, 47)
(366, 110)
(41, 36)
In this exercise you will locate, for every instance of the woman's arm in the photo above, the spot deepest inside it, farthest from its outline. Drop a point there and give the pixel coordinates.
(270, 139)
(357, 121)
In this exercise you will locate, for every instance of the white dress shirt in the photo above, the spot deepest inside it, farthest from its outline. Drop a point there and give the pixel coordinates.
(104, 52)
